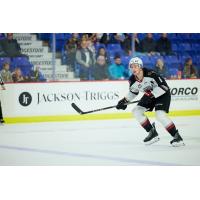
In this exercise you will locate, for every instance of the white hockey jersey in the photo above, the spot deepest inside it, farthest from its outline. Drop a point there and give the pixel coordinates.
(1, 80)
(151, 82)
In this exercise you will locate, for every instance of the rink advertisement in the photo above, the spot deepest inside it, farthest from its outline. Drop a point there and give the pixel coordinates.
(54, 99)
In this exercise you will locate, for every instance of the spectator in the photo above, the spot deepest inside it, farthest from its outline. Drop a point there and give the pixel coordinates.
(2, 52)
(11, 47)
(36, 75)
(160, 68)
(70, 52)
(116, 38)
(85, 59)
(5, 73)
(17, 76)
(75, 38)
(93, 37)
(104, 39)
(189, 71)
(102, 52)
(90, 46)
(137, 43)
(117, 71)
(2, 36)
(148, 45)
(163, 45)
(100, 71)
(127, 44)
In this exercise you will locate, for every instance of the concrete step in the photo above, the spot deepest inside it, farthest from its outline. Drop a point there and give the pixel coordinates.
(43, 61)
(24, 37)
(59, 75)
(62, 68)
(34, 50)
(31, 43)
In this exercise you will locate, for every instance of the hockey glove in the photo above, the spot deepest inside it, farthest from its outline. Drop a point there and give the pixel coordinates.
(149, 96)
(121, 104)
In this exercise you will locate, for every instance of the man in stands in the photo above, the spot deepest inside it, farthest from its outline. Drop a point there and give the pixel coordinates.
(117, 70)
(100, 71)
(85, 59)
(148, 45)
(163, 45)
(6, 73)
(11, 47)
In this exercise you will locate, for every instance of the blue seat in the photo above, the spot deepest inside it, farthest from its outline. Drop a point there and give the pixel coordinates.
(141, 36)
(59, 36)
(155, 58)
(173, 37)
(4, 60)
(195, 37)
(99, 45)
(116, 52)
(2, 36)
(174, 47)
(184, 47)
(67, 36)
(185, 37)
(172, 61)
(173, 72)
(125, 60)
(156, 36)
(146, 61)
(44, 36)
(196, 47)
(114, 47)
(26, 69)
(20, 61)
(59, 45)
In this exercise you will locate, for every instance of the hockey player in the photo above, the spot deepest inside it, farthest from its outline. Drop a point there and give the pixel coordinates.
(3, 88)
(156, 95)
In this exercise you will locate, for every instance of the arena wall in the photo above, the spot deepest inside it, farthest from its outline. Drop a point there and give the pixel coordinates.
(37, 102)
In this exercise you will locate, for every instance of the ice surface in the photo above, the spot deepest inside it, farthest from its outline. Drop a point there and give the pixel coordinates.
(103, 142)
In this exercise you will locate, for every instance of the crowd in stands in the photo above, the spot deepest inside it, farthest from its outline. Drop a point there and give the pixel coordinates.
(17, 75)
(81, 53)
(15, 66)
(105, 56)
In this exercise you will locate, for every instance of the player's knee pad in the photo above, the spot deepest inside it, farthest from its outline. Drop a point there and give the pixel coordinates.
(138, 112)
(162, 117)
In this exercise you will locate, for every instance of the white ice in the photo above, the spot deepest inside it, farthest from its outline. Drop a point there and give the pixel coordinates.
(103, 142)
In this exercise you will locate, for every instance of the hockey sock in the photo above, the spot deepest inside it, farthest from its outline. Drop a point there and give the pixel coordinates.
(1, 115)
(162, 117)
(147, 125)
(171, 128)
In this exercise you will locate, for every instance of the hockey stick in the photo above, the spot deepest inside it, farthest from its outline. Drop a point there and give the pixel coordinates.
(97, 110)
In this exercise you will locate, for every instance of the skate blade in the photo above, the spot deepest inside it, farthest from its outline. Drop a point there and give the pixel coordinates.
(178, 144)
(156, 139)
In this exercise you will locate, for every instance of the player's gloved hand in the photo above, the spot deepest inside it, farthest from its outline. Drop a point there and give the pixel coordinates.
(149, 96)
(121, 104)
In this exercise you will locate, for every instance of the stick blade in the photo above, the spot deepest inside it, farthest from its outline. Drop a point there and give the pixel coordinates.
(77, 108)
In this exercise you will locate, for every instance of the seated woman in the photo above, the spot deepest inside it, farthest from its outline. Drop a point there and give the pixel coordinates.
(17, 76)
(161, 69)
(102, 52)
(189, 70)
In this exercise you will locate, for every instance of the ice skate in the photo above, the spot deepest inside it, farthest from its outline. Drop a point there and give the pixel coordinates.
(177, 141)
(2, 122)
(152, 137)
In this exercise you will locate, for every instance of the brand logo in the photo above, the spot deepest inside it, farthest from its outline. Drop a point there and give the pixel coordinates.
(25, 99)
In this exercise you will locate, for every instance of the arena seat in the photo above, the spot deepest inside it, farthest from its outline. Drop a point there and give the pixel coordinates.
(4, 60)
